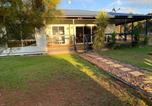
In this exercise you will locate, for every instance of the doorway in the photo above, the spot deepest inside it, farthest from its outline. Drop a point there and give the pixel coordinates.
(79, 34)
(83, 31)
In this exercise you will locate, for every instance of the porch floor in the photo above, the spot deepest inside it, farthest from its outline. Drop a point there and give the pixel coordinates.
(61, 49)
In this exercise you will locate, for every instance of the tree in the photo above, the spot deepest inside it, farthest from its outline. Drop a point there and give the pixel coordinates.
(20, 17)
(102, 22)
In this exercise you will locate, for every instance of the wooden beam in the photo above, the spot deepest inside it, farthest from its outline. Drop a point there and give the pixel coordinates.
(125, 35)
(146, 27)
(132, 28)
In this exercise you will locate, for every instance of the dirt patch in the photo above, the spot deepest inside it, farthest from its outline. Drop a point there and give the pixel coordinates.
(62, 91)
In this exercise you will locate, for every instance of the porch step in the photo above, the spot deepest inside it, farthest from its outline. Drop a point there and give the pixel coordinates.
(55, 49)
(59, 46)
(79, 46)
(59, 49)
(60, 52)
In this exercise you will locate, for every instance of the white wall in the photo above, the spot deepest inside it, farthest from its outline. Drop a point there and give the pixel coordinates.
(41, 46)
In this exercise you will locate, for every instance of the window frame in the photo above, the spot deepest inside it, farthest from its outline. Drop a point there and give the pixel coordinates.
(58, 30)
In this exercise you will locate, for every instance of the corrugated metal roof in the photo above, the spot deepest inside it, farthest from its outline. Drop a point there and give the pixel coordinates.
(73, 13)
(87, 13)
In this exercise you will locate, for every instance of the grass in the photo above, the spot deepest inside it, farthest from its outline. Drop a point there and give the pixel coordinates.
(134, 56)
(64, 77)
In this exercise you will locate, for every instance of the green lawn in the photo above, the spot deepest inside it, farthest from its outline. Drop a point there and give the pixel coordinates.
(134, 56)
(65, 80)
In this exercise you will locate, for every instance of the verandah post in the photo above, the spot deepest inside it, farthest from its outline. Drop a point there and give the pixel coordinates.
(75, 49)
(132, 38)
(125, 32)
(146, 27)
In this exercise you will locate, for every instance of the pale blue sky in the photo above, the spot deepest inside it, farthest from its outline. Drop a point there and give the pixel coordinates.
(135, 6)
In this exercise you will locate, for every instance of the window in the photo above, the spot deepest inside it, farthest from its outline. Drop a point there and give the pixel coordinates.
(58, 30)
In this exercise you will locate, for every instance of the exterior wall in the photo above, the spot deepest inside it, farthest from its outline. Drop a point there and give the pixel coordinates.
(42, 37)
(69, 28)
(41, 47)
(69, 25)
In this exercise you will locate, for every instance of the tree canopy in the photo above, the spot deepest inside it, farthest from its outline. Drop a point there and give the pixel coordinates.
(19, 18)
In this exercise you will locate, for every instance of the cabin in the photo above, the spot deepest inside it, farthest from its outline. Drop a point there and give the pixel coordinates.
(69, 33)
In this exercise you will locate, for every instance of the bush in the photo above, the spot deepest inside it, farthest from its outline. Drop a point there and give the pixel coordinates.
(136, 33)
(102, 22)
(146, 39)
(112, 41)
(113, 38)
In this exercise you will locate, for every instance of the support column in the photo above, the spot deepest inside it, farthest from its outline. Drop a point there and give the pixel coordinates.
(132, 35)
(146, 27)
(75, 48)
(120, 29)
(146, 33)
(120, 32)
(125, 34)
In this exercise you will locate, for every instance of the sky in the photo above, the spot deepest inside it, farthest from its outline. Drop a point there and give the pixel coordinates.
(126, 6)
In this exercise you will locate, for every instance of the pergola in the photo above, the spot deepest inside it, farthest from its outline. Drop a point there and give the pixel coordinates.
(119, 19)
(122, 19)
(115, 18)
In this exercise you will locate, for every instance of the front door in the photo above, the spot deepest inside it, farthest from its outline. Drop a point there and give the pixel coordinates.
(79, 34)
(87, 34)
(82, 32)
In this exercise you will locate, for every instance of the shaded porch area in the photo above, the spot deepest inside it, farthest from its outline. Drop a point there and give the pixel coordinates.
(127, 26)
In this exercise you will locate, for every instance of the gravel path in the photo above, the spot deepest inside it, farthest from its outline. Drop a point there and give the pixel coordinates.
(129, 74)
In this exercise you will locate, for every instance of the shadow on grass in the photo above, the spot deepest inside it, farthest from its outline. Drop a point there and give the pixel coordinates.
(58, 77)
(123, 95)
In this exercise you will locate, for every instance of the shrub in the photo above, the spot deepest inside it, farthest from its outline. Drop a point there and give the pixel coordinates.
(136, 33)
(146, 39)
(102, 22)
(113, 38)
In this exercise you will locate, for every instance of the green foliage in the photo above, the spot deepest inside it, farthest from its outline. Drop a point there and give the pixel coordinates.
(102, 22)
(137, 30)
(146, 39)
(20, 17)
(113, 39)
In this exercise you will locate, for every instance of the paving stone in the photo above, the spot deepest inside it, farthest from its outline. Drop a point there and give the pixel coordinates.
(92, 56)
(109, 62)
(149, 78)
(117, 65)
(125, 69)
(136, 73)
(99, 58)
(149, 89)
(147, 82)
(104, 60)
